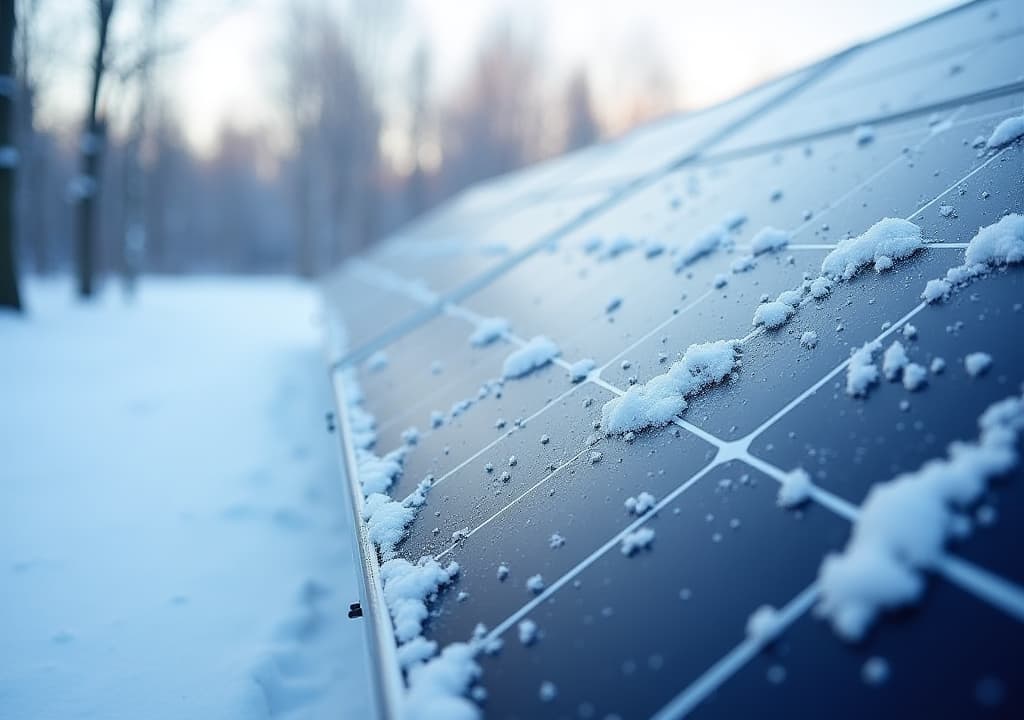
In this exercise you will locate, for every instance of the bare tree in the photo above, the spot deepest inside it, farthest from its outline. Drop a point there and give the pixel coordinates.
(581, 125)
(9, 296)
(419, 112)
(87, 184)
(494, 124)
(335, 127)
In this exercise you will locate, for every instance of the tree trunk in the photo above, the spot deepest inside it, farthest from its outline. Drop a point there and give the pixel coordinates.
(91, 147)
(9, 296)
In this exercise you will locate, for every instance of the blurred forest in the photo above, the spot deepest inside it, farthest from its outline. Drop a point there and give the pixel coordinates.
(120, 192)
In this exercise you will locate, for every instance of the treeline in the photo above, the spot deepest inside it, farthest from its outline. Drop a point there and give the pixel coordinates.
(155, 205)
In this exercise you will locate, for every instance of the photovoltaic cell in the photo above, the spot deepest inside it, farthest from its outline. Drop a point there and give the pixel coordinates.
(585, 250)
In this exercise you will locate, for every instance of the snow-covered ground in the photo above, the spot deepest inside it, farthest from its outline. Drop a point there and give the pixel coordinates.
(174, 540)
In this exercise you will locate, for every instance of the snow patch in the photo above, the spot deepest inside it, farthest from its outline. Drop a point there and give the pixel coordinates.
(527, 632)
(904, 524)
(894, 360)
(809, 340)
(977, 363)
(640, 504)
(773, 315)
(437, 688)
(637, 540)
(794, 489)
(995, 245)
(535, 354)
(407, 587)
(914, 377)
(764, 624)
(579, 370)
(887, 240)
(488, 330)
(1009, 130)
(769, 239)
(704, 244)
(386, 521)
(663, 397)
(864, 134)
(743, 263)
(861, 372)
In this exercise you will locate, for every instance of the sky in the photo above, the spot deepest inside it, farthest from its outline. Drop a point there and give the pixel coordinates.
(711, 50)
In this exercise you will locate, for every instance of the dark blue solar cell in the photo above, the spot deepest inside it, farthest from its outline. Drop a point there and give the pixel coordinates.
(874, 439)
(630, 632)
(362, 310)
(449, 257)
(951, 658)
(958, 31)
(989, 64)
(439, 451)
(588, 251)
(584, 504)
(521, 462)
(429, 369)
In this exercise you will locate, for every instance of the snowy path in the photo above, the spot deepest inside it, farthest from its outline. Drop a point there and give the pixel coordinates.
(174, 540)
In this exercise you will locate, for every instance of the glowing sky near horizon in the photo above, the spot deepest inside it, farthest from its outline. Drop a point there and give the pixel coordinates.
(712, 49)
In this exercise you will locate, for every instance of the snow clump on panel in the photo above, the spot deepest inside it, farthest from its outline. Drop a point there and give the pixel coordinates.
(995, 245)
(769, 239)
(809, 340)
(527, 632)
(1010, 129)
(861, 372)
(743, 264)
(438, 687)
(579, 370)
(794, 489)
(489, 330)
(904, 524)
(640, 504)
(535, 354)
(734, 220)
(639, 539)
(704, 244)
(914, 377)
(417, 650)
(616, 247)
(386, 521)
(894, 360)
(977, 363)
(773, 315)
(863, 134)
(663, 397)
(764, 624)
(887, 240)
(407, 587)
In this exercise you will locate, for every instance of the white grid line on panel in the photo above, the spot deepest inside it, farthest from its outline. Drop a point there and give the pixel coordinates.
(488, 446)
(565, 578)
(733, 661)
(956, 184)
(417, 291)
(832, 246)
(998, 591)
(738, 449)
(660, 326)
(1001, 593)
(515, 500)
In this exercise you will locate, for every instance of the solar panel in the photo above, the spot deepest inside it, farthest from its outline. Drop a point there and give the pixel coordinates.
(610, 566)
